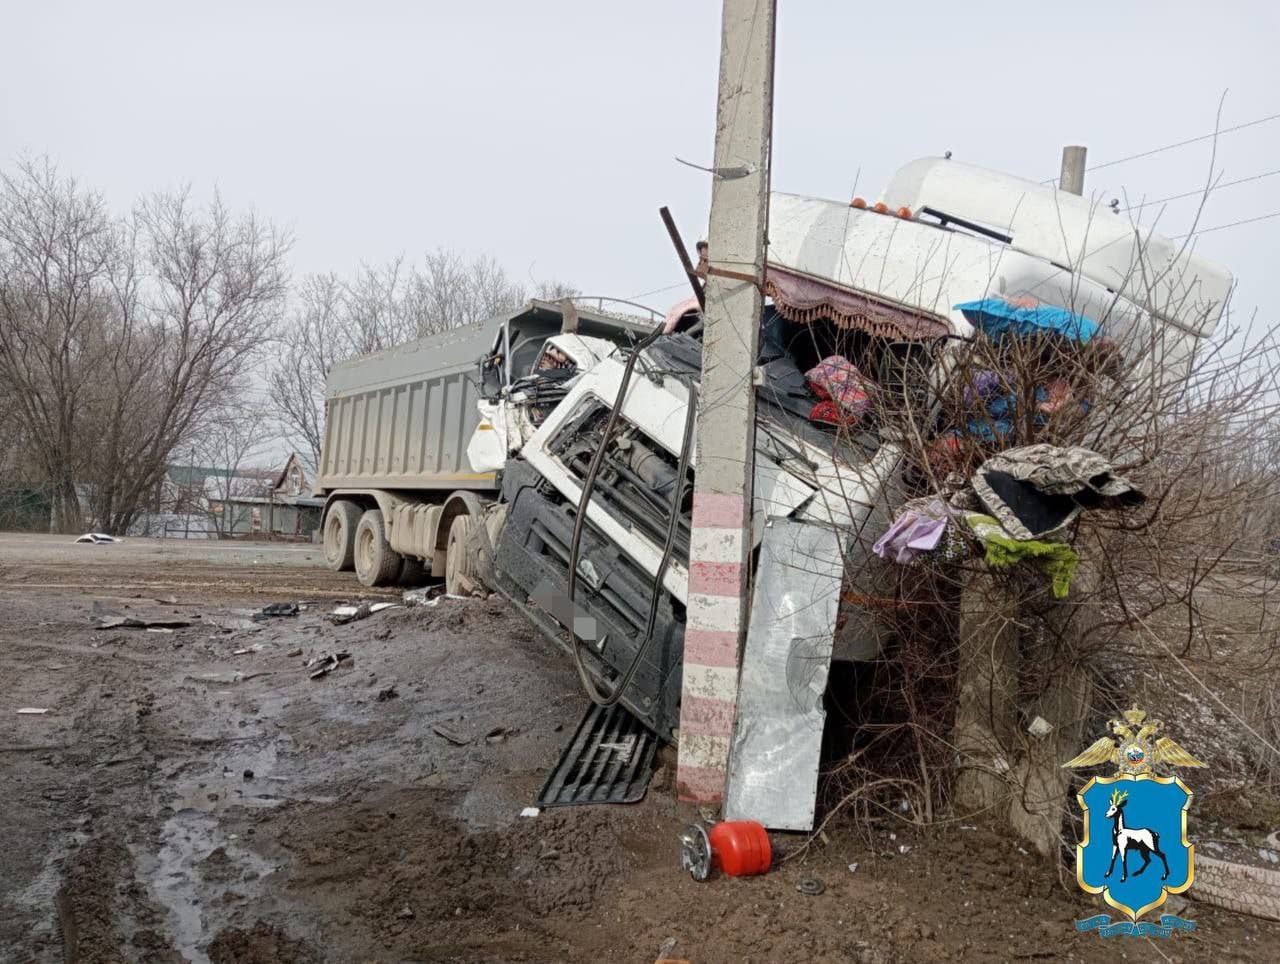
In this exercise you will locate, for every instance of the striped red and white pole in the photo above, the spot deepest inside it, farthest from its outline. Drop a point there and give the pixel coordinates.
(717, 589)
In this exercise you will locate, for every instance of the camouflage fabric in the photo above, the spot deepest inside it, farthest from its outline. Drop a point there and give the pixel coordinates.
(1036, 490)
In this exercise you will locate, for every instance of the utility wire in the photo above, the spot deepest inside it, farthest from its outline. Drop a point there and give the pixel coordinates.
(1170, 147)
(1200, 191)
(1233, 224)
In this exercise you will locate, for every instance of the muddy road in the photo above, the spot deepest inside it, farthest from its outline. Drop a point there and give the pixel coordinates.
(193, 794)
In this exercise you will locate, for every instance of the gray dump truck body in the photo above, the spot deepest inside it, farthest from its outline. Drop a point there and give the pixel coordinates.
(400, 419)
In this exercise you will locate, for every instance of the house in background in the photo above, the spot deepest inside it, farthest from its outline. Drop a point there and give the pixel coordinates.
(281, 508)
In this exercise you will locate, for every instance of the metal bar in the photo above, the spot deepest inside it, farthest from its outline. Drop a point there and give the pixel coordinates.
(683, 252)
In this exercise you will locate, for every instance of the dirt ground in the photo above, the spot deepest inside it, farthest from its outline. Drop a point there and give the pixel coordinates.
(195, 795)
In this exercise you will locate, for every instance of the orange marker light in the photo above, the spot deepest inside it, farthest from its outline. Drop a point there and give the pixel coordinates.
(859, 203)
(881, 208)
(904, 213)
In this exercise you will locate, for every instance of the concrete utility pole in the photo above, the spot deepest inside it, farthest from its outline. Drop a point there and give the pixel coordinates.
(720, 541)
(1072, 178)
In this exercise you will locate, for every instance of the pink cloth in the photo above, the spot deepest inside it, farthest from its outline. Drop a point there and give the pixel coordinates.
(843, 383)
(677, 312)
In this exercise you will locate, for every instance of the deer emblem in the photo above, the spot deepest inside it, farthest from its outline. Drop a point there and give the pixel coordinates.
(1123, 839)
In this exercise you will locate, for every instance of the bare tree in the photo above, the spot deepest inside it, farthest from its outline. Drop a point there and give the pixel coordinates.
(119, 336)
(380, 307)
(227, 441)
(57, 248)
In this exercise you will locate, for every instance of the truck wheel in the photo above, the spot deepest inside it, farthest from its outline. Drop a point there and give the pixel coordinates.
(412, 573)
(340, 535)
(459, 567)
(377, 564)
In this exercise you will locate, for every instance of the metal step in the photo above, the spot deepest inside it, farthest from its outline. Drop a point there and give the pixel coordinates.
(609, 760)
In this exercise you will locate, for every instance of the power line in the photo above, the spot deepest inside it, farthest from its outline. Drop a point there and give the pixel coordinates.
(1170, 147)
(1200, 191)
(657, 291)
(1233, 224)
(1192, 140)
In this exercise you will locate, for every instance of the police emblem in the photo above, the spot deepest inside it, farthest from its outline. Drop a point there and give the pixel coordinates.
(1135, 851)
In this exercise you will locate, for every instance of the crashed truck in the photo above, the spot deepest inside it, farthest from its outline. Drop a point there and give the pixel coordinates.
(549, 453)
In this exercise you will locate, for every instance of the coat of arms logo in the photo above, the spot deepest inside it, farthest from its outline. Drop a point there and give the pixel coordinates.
(1134, 850)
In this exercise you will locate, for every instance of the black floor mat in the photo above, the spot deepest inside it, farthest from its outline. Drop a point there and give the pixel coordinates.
(609, 760)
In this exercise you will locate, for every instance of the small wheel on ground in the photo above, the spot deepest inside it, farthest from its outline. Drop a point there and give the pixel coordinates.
(377, 564)
(413, 572)
(340, 535)
(459, 566)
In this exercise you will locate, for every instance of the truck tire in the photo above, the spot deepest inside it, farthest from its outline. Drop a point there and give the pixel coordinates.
(377, 564)
(340, 535)
(413, 572)
(459, 566)
(1242, 888)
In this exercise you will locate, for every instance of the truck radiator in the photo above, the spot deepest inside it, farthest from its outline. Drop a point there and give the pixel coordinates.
(613, 592)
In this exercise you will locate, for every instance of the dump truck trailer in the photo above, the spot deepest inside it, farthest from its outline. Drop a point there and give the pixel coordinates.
(548, 447)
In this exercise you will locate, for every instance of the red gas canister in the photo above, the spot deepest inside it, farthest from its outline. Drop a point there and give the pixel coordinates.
(740, 847)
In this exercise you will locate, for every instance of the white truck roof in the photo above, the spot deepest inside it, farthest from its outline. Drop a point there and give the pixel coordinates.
(1159, 274)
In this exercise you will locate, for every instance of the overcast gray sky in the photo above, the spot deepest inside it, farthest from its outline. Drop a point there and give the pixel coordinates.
(543, 133)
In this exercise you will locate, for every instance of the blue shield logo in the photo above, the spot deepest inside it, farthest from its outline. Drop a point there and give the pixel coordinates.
(1135, 850)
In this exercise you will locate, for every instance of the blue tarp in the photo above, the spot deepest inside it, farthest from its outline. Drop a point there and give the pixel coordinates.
(998, 317)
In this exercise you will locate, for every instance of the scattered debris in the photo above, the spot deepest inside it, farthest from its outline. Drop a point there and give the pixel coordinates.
(853, 867)
(450, 735)
(906, 849)
(350, 614)
(326, 663)
(154, 629)
(666, 947)
(134, 622)
(389, 693)
(405, 912)
(234, 624)
(277, 609)
(429, 596)
(498, 734)
(97, 539)
(530, 812)
(296, 651)
(810, 886)
(424, 596)
(248, 774)
(33, 711)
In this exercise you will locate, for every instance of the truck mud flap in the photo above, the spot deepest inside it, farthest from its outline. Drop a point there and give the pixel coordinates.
(609, 760)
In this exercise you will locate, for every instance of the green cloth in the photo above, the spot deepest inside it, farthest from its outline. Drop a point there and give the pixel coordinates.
(1057, 559)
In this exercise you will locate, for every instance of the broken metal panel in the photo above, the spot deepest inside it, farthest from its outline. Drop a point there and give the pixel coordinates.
(777, 740)
(608, 760)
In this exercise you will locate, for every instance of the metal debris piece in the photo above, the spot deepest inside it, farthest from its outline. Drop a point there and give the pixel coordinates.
(424, 596)
(296, 651)
(609, 759)
(695, 852)
(530, 812)
(133, 622)
(33, 711)
(773, 769)
(455, 738)
(278, 609)
(810, 886)
(326, 663)
(341, 615)
(98, 539)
